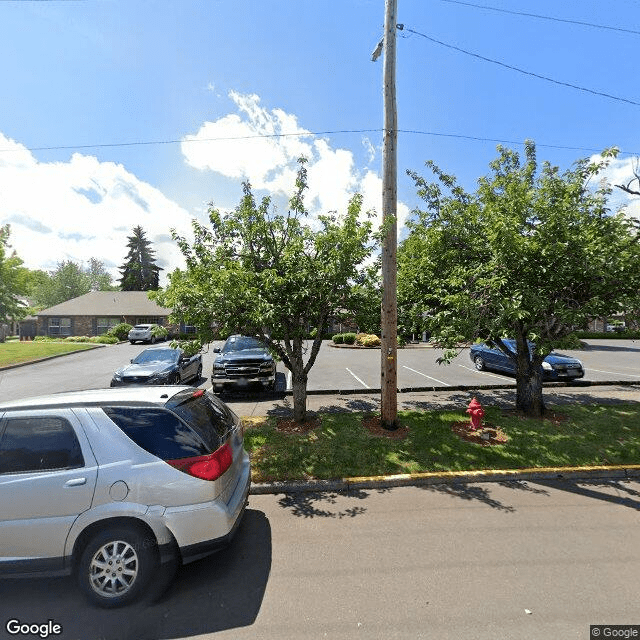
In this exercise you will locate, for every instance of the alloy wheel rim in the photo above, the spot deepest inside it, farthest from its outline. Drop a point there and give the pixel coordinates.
(113, 569)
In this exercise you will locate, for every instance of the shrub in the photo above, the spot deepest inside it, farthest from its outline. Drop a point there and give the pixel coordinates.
(120, 331)
(368, 340)
(77, 339)
(103, 339)
(338, 338)
(349, 338)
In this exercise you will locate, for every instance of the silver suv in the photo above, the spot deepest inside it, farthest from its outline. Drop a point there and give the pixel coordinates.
(115, 484)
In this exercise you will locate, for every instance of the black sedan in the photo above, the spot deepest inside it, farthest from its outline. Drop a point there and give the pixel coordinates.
(555, 366)
(159, 365)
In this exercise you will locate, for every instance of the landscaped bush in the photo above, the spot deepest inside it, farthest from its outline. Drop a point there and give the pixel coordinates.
(349, 338)
(120, 331)
(368, 340)
(338, 338)
(77, 339)
(104, 339)
(608, 335)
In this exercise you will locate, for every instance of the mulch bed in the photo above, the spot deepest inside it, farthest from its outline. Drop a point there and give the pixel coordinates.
(487, 436)
(373, 424)
(289, 425)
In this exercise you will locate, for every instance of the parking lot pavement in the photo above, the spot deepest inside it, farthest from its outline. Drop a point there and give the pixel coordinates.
(258, 406)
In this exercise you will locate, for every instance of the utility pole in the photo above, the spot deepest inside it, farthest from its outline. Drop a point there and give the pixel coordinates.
(389, 311)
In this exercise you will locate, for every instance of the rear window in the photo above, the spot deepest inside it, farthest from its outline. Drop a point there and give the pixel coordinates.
(159, 432)
(211, 421)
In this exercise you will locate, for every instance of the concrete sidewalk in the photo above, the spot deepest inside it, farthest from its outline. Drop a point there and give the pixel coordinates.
(251, 405)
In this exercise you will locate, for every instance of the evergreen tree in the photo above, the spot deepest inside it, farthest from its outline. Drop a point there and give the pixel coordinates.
(139, 272)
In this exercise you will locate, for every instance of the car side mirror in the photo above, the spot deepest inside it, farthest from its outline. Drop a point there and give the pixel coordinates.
(217, 350)
(131, 361)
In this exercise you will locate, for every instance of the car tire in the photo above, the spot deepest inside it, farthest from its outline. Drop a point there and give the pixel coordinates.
(132, 341)
(479, 363)
(174, 378)
(132, 558)
(199, 372)
(153, 340)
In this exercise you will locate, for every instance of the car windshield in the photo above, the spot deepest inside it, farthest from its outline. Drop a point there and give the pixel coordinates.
(156, 355)
(142, 327)
(240, 344)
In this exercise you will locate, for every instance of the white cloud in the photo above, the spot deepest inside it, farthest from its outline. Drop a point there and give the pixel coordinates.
(256, 144)
(620, 171)
(81, 209)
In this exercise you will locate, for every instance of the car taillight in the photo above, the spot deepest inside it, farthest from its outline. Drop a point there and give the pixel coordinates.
(209, 467)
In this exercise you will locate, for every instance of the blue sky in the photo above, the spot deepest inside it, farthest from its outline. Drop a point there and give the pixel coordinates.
(114, 113)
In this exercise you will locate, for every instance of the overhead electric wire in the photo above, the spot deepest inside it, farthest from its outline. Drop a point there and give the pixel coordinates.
(306, 134)
(519, 70)
(541, 17)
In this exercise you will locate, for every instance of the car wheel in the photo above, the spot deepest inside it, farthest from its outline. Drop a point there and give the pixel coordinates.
(116, 566)
(153, 340)
(174, 379)
(479, 362)
(132, 341)
(199, 373)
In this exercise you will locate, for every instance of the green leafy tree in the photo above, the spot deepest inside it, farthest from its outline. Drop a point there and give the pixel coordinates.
(13, 281)
(139, 271)
(69, 280)
(262, 273)
(531, 255)
(99, 277)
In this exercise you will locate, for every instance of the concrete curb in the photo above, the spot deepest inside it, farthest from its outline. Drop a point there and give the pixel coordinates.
(619, 472)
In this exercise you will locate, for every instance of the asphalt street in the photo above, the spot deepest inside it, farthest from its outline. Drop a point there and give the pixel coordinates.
(507, 561)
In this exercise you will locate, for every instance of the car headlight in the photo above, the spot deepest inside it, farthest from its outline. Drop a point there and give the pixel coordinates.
(218, 366)
(117, 376)
(546, 366)
(266, 366)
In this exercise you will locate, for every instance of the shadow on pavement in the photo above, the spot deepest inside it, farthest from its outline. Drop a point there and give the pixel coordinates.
(613, 491)
(322, 504)
(223, 591)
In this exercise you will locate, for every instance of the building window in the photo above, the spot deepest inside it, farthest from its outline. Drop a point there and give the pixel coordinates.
(59, 326)
(150, 320)
(104, 324)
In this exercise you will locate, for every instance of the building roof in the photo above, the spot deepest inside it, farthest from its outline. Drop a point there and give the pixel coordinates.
(108, 303)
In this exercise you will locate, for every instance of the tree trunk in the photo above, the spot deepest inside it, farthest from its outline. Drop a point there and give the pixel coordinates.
(529, 392)
(299, 384)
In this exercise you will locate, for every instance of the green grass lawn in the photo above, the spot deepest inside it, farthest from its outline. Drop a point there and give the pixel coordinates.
(341, 447)
(16, 352)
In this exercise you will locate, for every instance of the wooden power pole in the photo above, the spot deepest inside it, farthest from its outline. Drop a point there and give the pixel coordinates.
(389, 311)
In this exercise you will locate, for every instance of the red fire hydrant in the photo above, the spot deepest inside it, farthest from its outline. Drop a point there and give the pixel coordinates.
(476, 412)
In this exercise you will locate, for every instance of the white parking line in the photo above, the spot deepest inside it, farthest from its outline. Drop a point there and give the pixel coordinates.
(614, 373)
(366, 386)
(446, 384)
(482, 373)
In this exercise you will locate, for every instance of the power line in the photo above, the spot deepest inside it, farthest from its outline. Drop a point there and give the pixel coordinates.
(541, 17)
(311, 134)
(523, 71)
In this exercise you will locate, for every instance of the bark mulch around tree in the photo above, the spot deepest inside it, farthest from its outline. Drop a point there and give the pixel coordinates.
(373, 424)
(486, 436)
(289, 425)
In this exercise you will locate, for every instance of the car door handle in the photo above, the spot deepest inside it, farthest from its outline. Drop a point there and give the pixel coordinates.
(76, 482)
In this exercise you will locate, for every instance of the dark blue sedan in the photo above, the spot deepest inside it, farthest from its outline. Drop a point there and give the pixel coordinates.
(554, 367)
